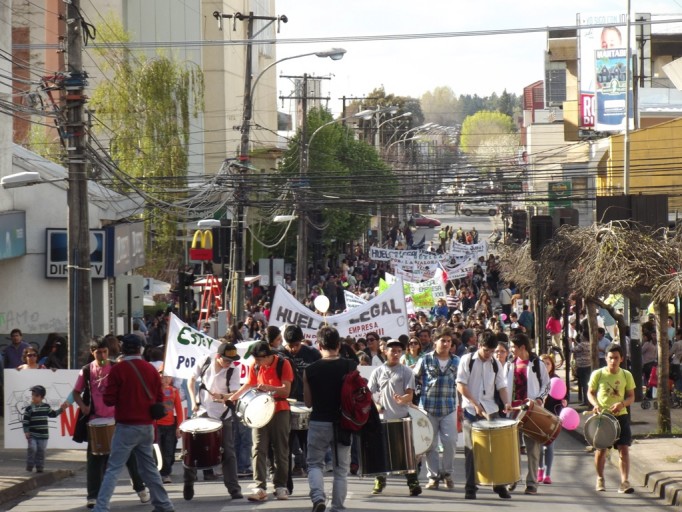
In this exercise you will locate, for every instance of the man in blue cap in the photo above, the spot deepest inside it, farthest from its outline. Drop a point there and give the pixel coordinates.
(134, 386)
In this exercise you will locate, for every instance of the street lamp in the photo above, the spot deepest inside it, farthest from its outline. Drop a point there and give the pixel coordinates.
(237, 300)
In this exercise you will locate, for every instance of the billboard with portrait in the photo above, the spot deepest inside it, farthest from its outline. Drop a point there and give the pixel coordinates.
(600, 110)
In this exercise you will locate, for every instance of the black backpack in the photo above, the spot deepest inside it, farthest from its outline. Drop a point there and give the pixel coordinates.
(297, 383)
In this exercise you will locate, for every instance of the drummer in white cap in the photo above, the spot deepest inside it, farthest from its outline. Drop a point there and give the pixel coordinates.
(392, 384)
(218, 377)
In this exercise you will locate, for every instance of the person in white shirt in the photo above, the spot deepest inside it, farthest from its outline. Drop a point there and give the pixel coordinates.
(478, 377)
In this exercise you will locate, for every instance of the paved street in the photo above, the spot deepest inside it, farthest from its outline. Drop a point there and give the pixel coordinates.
(484, 224)
(573, 489)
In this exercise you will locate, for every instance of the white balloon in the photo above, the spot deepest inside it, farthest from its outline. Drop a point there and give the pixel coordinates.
(321, 303)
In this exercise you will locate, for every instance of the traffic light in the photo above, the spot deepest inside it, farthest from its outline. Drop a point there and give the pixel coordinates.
(519, 225)
(222, 239)
(541, 232)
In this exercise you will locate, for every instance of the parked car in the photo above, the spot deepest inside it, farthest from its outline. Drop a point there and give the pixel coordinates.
(469, 209)
(420, 220)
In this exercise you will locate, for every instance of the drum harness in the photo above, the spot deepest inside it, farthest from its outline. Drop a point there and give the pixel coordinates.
(204, 367)
(496, 393)
(601, 414)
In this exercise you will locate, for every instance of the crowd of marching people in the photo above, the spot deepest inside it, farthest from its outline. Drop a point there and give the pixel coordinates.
(470, 358)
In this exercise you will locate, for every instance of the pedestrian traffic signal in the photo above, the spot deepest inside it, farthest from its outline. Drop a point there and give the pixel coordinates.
(519, 225)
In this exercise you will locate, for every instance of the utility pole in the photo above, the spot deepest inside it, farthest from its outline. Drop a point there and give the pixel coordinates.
(302, 247)
(237, 297)
(78, 233)
(302, 238)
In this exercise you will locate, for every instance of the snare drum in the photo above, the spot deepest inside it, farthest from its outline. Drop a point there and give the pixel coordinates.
(255, 408)
(300, 416)
(100, 433)
(202, 442)
(422, 430)
(496, 451)
(602, 431)
(389, 451)
(538, 423)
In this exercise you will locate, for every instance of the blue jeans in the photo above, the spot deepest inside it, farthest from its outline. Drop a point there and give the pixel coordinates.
(243, 444)
(583, 373)
(168, 441)
(320, 439)
(547, 458)
(35, 455)
(135, 439)
(96, 465)
(445, 428)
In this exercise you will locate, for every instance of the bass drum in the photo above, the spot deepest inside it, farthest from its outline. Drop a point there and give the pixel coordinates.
(300, 416)
(388, 451)
(538, 423)
(602, 430)
(202, 442)
(422, 430)
(255, 408)
(496, 451)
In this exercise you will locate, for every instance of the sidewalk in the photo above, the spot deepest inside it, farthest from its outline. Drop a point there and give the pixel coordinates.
(15, 481)
(654, 461)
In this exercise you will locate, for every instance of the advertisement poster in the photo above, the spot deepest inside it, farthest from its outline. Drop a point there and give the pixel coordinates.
(596, 31)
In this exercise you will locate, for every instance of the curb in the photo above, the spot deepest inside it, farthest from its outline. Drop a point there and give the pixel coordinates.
(39, 480)
(666, 486)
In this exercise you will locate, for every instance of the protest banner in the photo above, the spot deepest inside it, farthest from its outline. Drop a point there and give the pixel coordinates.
(352, 300)
(185, 348)
(385, 314)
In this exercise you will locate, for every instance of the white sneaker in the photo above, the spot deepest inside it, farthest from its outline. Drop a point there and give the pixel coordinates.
(281, 493)
(258, 494)
(91, 503)
(144, 496)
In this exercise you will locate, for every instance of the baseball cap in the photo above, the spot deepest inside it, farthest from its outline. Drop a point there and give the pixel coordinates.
(228, 350)
(395, 343)
(132, 341)
(39, 390)
(261, 349)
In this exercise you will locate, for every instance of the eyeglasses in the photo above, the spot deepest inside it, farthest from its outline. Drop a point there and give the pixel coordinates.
(371, 339)
(31, 355)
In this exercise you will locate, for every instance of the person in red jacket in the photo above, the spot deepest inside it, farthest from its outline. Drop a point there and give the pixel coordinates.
(126, 391)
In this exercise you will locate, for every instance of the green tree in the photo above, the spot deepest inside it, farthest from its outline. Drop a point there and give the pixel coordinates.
(345, 179)
(483, 126)
(441, 106)
(144, 108)
(378, 98)
(507, 103)
(39, 142)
